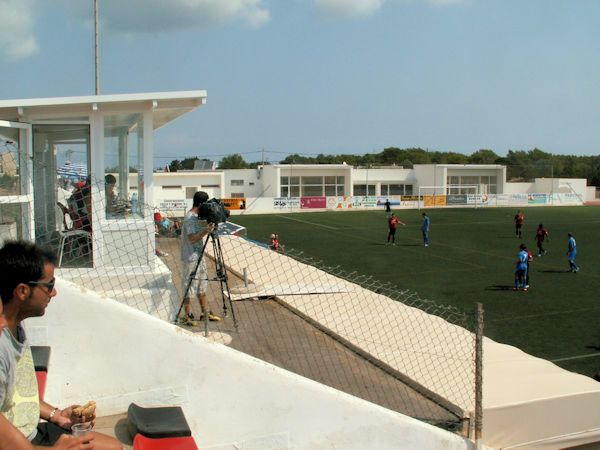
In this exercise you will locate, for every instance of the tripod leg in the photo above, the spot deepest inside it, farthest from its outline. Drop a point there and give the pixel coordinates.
(191, 278)
(223, 279)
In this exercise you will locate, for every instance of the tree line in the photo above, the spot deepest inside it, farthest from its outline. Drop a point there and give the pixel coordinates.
(521, 165)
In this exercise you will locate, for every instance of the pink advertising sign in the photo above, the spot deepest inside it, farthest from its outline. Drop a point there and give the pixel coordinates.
(313, 202)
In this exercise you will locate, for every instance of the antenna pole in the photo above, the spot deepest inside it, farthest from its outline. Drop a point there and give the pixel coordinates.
(96, 49)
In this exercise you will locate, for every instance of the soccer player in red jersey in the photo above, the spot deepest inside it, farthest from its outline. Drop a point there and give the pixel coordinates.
(519, 219)
(393, 222)
(541, 234)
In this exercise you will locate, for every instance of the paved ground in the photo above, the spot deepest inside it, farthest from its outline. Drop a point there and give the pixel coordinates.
(270, 331)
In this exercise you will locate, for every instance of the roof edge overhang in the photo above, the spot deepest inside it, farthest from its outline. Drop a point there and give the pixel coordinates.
(166, 106)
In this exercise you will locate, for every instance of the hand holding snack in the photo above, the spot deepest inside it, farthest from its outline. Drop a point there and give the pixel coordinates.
(76, 414)
(86, 412)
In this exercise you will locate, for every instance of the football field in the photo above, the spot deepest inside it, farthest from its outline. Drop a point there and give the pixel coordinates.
(471, 259)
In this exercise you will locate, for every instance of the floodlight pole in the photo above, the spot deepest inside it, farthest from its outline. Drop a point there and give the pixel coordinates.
(96, 49)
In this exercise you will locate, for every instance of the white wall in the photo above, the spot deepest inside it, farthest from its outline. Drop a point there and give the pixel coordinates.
(425, 175)
(109, 352)
(518, 188)
(252, 186)
(170, 189)
(590, 193)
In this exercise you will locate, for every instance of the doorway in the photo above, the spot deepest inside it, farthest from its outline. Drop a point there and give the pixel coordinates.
(61, 168)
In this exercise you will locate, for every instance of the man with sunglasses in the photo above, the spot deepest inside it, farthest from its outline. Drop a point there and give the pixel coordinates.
(26, 288)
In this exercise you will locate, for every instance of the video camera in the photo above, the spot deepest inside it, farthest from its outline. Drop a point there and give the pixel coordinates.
(213, 211)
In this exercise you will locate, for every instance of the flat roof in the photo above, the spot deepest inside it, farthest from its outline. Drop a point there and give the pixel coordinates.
(167, 106)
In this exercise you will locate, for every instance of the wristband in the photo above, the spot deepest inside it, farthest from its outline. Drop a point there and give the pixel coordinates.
(52, 414)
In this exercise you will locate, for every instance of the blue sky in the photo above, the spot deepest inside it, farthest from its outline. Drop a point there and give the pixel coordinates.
(326, 76)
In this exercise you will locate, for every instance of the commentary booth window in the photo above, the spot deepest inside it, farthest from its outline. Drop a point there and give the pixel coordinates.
(123, 165)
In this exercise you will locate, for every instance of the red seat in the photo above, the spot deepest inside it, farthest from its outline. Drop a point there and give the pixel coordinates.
(141, 442)
(41, 382)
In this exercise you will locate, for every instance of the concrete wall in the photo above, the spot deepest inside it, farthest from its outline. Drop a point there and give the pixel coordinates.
(106, 351)
(519, 188)
(252, 182)
(170, 189)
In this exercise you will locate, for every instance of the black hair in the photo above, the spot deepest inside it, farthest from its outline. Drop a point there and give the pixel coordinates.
(21, 262)
(110, 179)
(199, 198)
(523, 247)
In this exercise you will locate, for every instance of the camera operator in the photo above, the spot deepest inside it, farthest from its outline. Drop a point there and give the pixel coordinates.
(193, 232)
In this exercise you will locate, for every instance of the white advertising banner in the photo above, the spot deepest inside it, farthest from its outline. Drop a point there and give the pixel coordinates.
(285, 202)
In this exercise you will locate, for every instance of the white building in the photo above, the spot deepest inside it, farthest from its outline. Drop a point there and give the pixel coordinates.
(337, 186)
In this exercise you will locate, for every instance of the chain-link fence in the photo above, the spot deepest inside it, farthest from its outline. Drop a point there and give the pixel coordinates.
(353, 333)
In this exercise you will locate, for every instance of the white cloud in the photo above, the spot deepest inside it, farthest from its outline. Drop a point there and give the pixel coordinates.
(17, 40)
(444, 2)
(141, 16)
(363, 8)
(349, 8)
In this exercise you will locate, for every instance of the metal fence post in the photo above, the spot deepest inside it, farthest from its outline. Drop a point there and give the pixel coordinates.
(479, 376)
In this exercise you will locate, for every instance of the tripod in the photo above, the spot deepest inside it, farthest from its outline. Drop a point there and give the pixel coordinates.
(221, 277)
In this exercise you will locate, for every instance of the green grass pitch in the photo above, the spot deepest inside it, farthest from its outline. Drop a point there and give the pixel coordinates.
(471, 259)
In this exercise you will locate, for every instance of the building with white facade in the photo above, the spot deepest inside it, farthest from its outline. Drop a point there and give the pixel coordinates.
(340, 186)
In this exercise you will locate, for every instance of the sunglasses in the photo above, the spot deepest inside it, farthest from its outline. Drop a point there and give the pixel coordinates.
(49, 285)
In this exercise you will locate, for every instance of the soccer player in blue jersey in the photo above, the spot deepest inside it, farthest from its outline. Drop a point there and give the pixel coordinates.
(425, 229)
(572, 253)
(521, 269)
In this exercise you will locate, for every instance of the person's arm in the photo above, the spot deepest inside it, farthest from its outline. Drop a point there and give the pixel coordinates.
(64, 418)
(11, 438)
(195, 237)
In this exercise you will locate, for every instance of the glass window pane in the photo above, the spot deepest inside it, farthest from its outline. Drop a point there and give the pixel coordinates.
(284, 180)
(12, 221)
(124, 160)
(384, 189)
(330, 180)
(341, 190)
(284, 191)
(469, 180)
(295, 191)
(330, 190)
(312, 180)
(312, 191)
(60, 174)
(396, 189)
(340, 180)
(9, 161)
(360, 189)
(371, 189)
(408, 189)
(295, 180)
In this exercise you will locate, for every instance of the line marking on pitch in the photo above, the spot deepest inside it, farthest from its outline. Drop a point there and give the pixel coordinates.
(308, 223)
(570, 358)
(555, 313)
